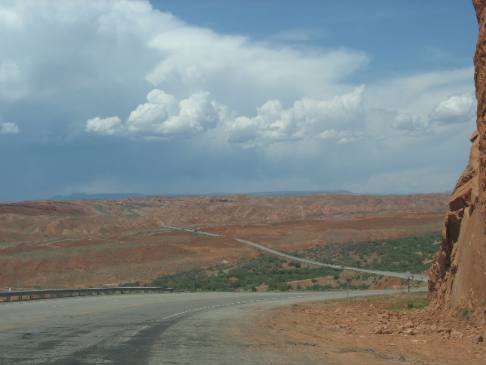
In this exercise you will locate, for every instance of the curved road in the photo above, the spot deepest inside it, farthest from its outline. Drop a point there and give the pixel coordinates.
(259, 246)
(182, 328)
(400, 275)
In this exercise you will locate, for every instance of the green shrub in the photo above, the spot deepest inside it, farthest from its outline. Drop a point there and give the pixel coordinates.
(403, 254)
(465, 313)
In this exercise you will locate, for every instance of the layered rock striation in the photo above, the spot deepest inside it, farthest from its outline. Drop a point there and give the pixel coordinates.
(458, 274)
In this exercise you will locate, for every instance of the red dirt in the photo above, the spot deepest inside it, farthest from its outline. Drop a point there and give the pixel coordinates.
(88, 243)
(357, 332)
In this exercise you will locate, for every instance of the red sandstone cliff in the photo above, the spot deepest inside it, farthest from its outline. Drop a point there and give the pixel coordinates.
(458, 275)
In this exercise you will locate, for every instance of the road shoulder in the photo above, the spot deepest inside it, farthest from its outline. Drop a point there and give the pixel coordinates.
(365, 331)
(209, 338)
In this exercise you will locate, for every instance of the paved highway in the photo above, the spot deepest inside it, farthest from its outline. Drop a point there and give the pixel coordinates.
(259, 246)
(179, 328)
(400, 275)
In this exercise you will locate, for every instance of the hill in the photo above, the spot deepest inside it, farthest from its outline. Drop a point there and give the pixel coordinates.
(86, 243)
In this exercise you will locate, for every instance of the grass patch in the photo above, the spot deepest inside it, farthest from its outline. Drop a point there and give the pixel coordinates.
(408, 302)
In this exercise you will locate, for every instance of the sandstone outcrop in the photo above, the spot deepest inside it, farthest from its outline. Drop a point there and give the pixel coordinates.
(458, 275)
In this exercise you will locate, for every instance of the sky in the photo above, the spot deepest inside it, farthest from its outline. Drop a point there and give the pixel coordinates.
(234, 96)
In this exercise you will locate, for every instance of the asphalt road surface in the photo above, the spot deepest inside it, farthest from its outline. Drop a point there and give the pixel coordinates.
(401, 275)
(259, 246)
(178, 328)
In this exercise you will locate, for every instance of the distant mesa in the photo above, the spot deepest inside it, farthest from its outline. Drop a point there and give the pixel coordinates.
(100, 196)
(302, 192)
(123, 196)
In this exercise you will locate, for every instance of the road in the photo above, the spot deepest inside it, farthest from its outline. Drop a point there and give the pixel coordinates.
(179, 328)
(401, 275)
(259, 246)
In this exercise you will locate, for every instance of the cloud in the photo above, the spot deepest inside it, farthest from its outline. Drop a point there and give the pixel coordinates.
(455, 109)
(345, 118)
(255, 109)
(242, 73)
(307, 118)
(409, 122)
(9, 128)
(419, 93)
(341, 136)
(163, 115)
(9, 19)
(106, 126)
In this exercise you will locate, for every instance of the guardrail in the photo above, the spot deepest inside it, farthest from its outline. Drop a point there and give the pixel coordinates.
(21, 295)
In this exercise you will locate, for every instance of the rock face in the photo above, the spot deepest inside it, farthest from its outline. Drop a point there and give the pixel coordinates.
(458, 275)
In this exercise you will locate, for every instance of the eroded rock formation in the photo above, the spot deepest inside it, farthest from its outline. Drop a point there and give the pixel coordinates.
(458, 275)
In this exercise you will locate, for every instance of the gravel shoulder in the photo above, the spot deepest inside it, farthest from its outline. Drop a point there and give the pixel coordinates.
(374, 331)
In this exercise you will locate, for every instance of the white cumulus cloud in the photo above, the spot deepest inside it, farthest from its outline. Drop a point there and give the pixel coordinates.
(455, 109)
(9, 128)
(163, 115)
(306, 118)
(452, 110)
(106, 126)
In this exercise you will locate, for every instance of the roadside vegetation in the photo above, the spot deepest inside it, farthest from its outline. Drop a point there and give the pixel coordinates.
(402, 302)
(413, 254)
(407, 301)
(269, 271)
(272, 273)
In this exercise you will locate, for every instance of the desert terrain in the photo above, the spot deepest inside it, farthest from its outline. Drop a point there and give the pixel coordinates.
(91, 243)
(382, 330)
